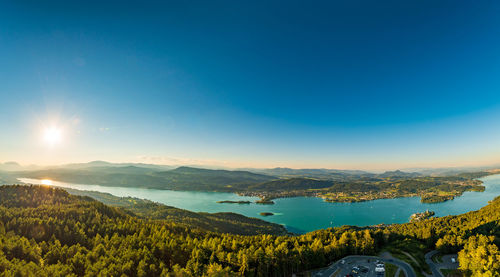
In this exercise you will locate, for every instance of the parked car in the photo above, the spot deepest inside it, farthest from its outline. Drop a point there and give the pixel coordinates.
(379, 268)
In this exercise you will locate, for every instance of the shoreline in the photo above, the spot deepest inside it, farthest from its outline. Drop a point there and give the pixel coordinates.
(369, 196)
(245, 211)
(267, 198)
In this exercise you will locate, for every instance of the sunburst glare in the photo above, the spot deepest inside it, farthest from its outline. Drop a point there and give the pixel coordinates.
(46, 182)
(52, 136)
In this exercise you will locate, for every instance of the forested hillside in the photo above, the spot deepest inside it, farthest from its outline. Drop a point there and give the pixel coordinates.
(47, 232)
(331, 185)
(181, 178)
(215, 222)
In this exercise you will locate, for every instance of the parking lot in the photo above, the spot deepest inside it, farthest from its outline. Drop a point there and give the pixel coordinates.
(364, 266)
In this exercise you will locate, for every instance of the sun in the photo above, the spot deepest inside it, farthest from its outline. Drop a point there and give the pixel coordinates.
(47, 182)
(52, 136)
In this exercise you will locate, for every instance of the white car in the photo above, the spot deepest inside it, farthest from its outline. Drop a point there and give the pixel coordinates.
(379, 268)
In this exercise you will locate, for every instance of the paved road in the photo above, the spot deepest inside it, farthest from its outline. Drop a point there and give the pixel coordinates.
(445, 264)
(328, 271)
(434, 268)
(409, 272)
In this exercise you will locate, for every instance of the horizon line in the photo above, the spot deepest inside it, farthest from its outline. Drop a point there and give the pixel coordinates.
(215, 166)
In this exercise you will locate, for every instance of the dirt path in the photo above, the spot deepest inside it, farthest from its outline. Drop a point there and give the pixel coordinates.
(410, 256)
(415, 261)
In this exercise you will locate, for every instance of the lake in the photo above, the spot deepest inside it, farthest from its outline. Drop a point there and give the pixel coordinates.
(305, 214)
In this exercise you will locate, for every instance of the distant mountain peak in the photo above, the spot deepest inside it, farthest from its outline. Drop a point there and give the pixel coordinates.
(98, 163)
(189, 169)
(399, 173)
(10, 166)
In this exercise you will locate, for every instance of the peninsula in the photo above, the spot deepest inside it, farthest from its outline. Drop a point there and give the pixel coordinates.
(233, 202)
(330, 185)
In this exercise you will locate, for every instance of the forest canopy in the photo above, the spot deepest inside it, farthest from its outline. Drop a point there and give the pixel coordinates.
(47, 232)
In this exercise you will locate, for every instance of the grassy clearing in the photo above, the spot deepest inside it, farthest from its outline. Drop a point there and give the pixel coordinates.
(438, 258)
(416, 267)
(390, 270)
(413, 248)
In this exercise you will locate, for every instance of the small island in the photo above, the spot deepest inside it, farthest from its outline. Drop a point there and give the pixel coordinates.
(266, 214)
(234, 202)
(416, 217)
(265, 201)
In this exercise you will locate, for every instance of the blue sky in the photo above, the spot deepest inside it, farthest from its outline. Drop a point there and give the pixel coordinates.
(334, 84)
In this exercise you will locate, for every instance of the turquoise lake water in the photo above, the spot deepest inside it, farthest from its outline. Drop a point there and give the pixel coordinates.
(304, 214)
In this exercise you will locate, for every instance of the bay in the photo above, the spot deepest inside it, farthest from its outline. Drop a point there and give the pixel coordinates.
(304, 214)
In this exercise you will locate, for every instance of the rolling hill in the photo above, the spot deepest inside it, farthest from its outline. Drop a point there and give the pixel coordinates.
(182, 178)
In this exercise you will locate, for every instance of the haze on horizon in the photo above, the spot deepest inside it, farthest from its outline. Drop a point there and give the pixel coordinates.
(329, 84)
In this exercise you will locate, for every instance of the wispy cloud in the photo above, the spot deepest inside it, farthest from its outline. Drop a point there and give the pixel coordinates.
(167, 160)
